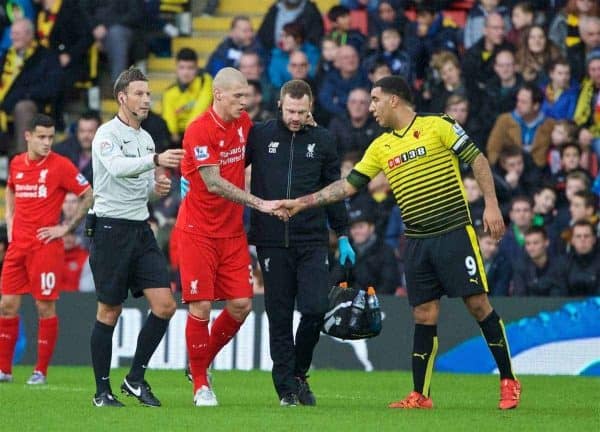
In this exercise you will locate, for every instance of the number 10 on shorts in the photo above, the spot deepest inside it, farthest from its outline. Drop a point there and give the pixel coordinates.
(47, 282)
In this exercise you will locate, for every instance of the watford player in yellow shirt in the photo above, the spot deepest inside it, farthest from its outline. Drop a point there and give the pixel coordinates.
(189, 97)
(419, 155)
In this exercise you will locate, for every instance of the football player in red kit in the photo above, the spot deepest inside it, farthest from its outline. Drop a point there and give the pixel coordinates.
(213, 250)
(38, 181)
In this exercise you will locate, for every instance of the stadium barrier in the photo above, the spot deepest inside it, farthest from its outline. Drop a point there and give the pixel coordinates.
(546, 335)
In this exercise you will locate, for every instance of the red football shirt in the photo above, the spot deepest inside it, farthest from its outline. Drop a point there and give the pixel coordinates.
(209, 140)
(75, 259)
(40, 188)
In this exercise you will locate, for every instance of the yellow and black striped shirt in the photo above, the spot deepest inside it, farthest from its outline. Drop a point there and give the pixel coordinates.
(421, 165)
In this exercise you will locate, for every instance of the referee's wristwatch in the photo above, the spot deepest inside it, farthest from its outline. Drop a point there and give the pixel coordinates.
(155, 159)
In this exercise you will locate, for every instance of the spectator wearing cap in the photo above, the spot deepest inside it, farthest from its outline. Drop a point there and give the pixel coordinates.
(375, 261)
(587, 111)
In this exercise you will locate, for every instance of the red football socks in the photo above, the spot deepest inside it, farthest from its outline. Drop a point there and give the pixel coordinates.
(222, 331)
(47, 335)
(196, 337)
(9, 332)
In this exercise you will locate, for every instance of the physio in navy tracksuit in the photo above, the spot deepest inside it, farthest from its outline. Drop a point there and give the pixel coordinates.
(291, 159)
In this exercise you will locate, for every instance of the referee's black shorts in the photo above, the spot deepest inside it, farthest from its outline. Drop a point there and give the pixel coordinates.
(124, 256)
(448, 264)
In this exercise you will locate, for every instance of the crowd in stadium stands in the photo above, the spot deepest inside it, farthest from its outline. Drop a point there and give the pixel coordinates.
(522, 78)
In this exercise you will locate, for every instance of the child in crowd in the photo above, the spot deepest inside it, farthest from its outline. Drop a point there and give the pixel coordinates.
(522, 16)
(392, 53)
(564, 131)
(329, 48)
(560, 94)
(498, 269)
(581, 207)
(341, 28)
(570, 161)
(544, 205)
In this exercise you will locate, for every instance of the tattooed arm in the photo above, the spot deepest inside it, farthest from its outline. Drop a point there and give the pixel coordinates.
(492, 217)
(217, 185)
(336, 191)
(50, 233)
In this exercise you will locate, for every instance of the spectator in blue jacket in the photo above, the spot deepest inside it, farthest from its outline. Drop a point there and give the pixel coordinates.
(292, 39)
(338, 83)
(241, 39)
(560, 94)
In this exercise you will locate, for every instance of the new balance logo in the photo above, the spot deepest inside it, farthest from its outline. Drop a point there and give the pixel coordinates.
(500, 344)
(273, 146)
(421, 356)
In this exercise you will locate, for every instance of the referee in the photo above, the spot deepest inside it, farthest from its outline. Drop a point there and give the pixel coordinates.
(420, 156)
(124, 255)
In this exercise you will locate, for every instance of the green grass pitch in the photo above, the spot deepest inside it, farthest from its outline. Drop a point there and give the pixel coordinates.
(347, 401)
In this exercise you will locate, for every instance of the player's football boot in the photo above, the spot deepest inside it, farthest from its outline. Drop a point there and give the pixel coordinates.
(305, 394)
(510, 394)
(413, 400)
(5, 377)
(141, 391)
(205, 397)
(289, 400)
(106, 399)
(37, 378)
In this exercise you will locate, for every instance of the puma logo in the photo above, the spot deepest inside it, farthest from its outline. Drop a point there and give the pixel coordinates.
(500, 344)
(421, 356)
(474, 280)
